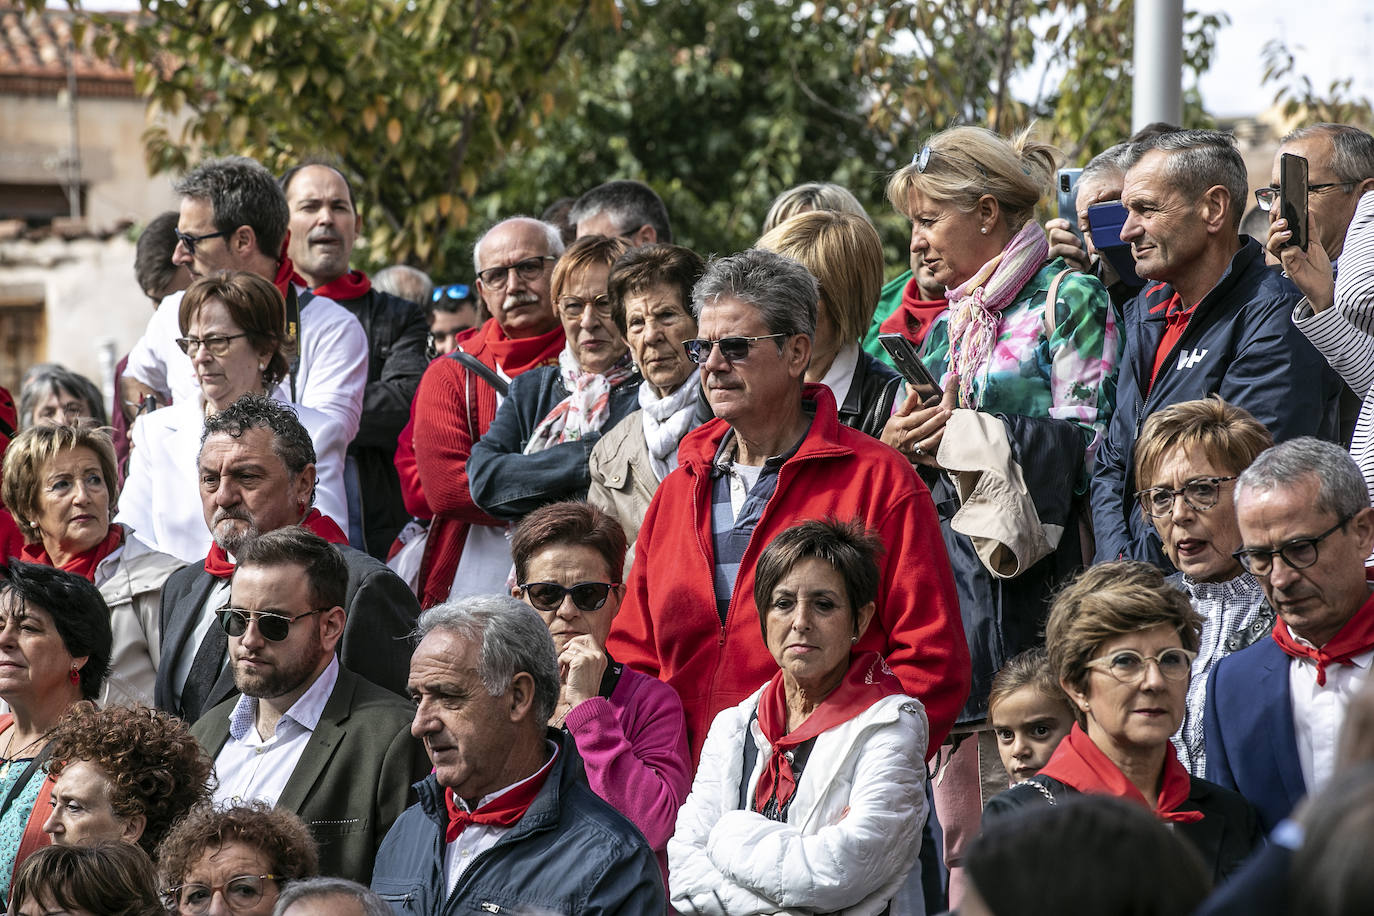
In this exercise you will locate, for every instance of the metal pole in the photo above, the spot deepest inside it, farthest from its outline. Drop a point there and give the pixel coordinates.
(1158, 88)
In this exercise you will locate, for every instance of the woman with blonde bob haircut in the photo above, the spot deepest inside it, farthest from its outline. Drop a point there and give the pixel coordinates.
(1121, 641)
(233, 327)
(1187, 460)
(843, 252)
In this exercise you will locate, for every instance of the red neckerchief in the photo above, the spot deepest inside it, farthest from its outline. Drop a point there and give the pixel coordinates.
(867, 681)
(350, 286)
(286, 271)
(1356, 637)
(915, 315)
(505, 810)
(1175, 321)
(1080, 763)
(83, 564)
(520, 354)
(218, 564)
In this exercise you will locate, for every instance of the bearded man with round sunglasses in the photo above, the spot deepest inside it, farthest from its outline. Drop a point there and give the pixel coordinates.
(1275, 710)
(306, 734)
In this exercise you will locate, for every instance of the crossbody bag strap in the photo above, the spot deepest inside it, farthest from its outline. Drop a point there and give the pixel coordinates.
(1051, 301)
(24, 777)
(294, 333)
(475, 365)
(751, 757)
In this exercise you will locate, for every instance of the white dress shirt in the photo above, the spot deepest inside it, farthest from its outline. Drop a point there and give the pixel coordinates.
(1319, 712)
(333, 365)
(252, 767)
(478, 838)
(840, 376)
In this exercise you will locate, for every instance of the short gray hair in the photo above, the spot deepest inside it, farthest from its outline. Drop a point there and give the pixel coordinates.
(405, 281)
(552, 235)
(372, 904)
(241, 192)
(1341, 488)
(1114, 160)
(1352, 149)
(514, 638)
(629, 204)
(1198, 160)
(783, 291)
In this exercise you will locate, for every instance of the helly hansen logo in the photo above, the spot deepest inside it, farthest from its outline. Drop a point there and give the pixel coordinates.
(1187, 359)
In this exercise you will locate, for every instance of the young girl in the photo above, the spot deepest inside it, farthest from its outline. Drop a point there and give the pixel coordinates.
(1029, 712)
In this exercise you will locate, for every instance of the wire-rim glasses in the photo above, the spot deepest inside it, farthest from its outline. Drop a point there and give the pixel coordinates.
(1200, 493)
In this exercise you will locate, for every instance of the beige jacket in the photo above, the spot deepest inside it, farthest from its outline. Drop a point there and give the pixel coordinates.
(623, 479)
(131, 583)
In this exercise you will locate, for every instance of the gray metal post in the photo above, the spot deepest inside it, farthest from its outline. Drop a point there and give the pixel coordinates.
(1158, 90)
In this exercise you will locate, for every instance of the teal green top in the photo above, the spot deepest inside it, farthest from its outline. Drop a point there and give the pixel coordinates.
(16, 818)
(889, 300)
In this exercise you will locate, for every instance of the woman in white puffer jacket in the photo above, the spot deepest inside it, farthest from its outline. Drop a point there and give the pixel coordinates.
(810, 795)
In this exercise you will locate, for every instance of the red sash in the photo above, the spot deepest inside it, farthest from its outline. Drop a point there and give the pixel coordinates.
(505, 810)
(350, 286)
(520, 354)
(218, 564)
(286, 271)
(867, 681)
(83, 564)
(1080, 763)
(1356, 637)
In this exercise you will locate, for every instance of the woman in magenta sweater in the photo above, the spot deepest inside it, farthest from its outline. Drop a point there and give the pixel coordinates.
(630, 728)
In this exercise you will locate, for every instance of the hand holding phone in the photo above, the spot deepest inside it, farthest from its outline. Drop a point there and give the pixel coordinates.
(1293, 198)
(908, 363)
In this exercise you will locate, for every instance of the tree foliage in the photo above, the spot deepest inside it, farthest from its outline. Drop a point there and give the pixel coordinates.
(1299, 98)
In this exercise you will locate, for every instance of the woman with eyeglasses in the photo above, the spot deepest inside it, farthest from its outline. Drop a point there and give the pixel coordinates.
(1187, 460)
(538, 447)
(60, 483)
(233, 859)
(630, 728)
(651, 294)
(233, 327)
(1121, 642)
(54, 652)
(810, 796)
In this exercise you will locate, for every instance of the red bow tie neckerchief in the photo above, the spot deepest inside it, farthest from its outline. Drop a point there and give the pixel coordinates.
(1355, 638)
(505, 810)
(218, 564)
(351, 285)
(1081, 764)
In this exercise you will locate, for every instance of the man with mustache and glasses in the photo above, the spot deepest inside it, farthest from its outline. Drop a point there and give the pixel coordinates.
(257, 474)
(307, 734)
(459, 395)
(1213, 319)
(324, 225)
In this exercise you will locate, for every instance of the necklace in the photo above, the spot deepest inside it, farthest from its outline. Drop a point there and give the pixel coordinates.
(9, 758)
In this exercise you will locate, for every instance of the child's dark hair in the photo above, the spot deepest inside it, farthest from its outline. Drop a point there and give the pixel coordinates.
(1029, 669)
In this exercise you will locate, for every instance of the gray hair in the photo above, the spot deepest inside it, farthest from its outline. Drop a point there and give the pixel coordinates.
(1114, 160)
(310, 888)
(783, 291)
(814, 195)
(552, 235)
(405, 281)
(630, 204)
(1198, 160)
(44, 379)
(241, 193)
(514, 638)
(291, 441)
(1352, 150)
(1341, 488)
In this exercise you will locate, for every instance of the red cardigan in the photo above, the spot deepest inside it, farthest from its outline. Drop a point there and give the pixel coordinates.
(33, 838)
(668, 625)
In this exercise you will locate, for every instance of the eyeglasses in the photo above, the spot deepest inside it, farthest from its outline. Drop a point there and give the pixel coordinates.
(548, 596)
(239, 893)
(733, 349)
(1265, 197)
(190, 240)
(572, 307)
(275, 627)
(458, 292)
(529, 269)
(1298, 553)
(1200, 493)
(218, 345)
(922, 161)
(1128, 666)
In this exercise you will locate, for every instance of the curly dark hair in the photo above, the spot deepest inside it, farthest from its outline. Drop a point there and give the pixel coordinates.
(279, 835)
(154, 765)
(291, 441)
(111, 878)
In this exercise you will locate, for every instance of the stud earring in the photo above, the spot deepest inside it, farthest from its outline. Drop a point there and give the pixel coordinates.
(984, 230)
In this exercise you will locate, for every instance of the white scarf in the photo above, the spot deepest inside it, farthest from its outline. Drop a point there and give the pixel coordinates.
(667, 420)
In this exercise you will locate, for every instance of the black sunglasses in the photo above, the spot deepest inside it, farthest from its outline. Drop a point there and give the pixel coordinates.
(190, 240)
(587, 596)
(734, 349)
(274, 627)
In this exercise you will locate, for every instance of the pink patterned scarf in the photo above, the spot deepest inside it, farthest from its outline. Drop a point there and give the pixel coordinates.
(584, 411)
(975, 305)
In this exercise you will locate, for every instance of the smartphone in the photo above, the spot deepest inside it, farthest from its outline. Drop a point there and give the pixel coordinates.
(908, 362)
(1293, 197)
(1066, 187)
(1104, 222)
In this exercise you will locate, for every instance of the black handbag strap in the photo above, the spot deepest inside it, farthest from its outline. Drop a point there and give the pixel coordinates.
(480, 369)
(294, 304)
(24, 777)
(751, 757)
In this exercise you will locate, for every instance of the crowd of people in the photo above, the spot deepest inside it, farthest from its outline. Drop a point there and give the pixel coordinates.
(623, 579)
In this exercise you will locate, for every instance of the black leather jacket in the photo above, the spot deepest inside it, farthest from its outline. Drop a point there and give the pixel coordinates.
(875, 388)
